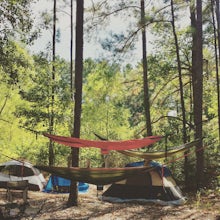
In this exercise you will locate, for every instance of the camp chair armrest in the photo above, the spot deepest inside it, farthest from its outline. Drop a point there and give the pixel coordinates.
(17, 185)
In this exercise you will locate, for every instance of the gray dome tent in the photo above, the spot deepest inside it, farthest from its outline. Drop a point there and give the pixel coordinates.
(17, 171)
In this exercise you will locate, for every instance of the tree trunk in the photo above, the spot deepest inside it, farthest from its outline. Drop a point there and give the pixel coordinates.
(181, 91)
(71, 48)
(197, 83)
(73, 196)
(217, 57)
(218, 25)
(51, 144)
(145, 72)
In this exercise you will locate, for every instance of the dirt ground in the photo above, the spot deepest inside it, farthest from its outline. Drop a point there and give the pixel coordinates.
(53, 206)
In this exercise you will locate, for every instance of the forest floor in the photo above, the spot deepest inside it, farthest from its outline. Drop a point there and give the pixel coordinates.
(53, 206)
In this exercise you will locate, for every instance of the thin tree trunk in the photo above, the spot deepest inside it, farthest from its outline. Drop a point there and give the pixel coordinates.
(145, 72)
(51, 144)
(71, 47)
(218, 25)
(181, 90)
(217, 56)
(73, 196)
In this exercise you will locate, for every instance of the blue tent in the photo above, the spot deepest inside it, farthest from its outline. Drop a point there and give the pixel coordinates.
(158, 167)
(60, 185)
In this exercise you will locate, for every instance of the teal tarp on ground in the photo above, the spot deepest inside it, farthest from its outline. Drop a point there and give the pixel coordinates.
(61, 185)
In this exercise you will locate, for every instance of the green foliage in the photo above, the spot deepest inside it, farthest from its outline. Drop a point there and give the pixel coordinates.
(15, 63)
(36, 114)
(13, 77)
(17, 21)
(103, 111)
(91, 157)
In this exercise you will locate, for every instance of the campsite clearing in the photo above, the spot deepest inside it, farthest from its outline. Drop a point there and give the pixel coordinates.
(53, 206)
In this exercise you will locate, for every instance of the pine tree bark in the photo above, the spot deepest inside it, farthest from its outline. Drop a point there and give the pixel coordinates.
(73, 196)
(51, 144)
(145, 72)
(218, 25)
(71, 48)
(217, 56)
(197, 84)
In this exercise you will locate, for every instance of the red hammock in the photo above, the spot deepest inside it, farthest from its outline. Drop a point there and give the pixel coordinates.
(105, 146)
